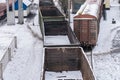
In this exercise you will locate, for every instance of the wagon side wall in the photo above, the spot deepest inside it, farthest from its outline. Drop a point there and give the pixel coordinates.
(85, 67)
(86, 30)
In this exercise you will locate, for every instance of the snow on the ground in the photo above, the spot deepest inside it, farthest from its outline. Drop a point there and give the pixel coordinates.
(106, 57)
(56, 40)
(6, 40)
(77, 75)
(107, 66)
(26, 63)
(114, 3)
(107, 30)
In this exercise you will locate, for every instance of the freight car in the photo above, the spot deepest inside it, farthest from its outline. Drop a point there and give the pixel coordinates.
(58, 33)
(49, 11)
(54, 26)
(86, 22)
(66, 63)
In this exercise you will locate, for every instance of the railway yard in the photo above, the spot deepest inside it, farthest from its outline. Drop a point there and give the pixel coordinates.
(37, 54)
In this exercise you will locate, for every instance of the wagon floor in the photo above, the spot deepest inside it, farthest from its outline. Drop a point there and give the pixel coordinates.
(57, 40)
(65, 75)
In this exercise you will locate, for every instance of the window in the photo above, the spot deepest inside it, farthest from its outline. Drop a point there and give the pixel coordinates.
(10, 8)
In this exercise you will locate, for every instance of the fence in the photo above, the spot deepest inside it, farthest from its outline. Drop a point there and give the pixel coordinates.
(6, 52)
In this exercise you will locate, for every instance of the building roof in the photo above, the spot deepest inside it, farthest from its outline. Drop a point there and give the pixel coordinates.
(27, 2)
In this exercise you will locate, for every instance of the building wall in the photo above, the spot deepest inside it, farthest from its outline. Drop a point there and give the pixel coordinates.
(25, 13)
(25, 8)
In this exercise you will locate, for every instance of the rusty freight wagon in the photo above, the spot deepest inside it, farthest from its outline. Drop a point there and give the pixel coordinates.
(86, 23)
(66, 63)
(55, 28)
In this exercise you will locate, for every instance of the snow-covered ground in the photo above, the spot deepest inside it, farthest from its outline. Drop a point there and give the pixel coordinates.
(56, 40)
(26, 64)
(63, 75)
(108, 30)
(106, 56)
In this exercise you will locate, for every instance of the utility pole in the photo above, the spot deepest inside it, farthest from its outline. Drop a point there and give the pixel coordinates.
(20, 12)
(69, 3)
(10, 12)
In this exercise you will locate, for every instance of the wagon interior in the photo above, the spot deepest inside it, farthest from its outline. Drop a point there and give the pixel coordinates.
(46, 2)
(51, 13)
(66, 63)
(55, 28)
(58, 33)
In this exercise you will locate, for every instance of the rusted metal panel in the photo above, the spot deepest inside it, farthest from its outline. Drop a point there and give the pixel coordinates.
(61, 59)
(56, 28)
(86, 30)
(86, 68)
(93, 31)
(85, 16)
